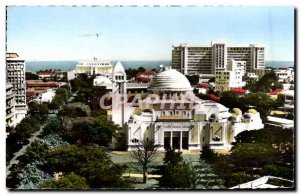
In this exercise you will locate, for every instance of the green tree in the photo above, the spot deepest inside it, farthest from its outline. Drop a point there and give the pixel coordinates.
(89, 130)
(252, 155)
(74, 110)
(144, 153)
(27, 127)
(194, 79)
(238, 178)
(266, 83)
(31, 177)
(37, 151)
(278, 171)
(70, 181)
(53, 126)
(207, 154)
(231, 100)
(89, 162)
(71, 158)
(104, 174)
(175, 173)
(31, 76)
(204, 177)
(37, 109)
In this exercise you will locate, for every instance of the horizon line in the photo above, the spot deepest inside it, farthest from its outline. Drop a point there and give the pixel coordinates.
(40, 60)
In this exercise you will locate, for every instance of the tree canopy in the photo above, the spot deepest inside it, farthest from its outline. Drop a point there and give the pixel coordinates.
(70, 181)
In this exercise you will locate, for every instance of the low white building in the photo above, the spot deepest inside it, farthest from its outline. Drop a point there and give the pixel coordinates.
(232, 77)
(71, 75)
(45, 97)
(285, 74)
(92, 67)
(289, 101)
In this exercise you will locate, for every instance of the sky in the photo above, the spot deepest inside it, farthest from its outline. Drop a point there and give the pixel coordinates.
(144, 33)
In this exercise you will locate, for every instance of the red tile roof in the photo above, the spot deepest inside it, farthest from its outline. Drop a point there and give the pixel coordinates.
(203, 85)
(275, 92)
(42, 84)
(238, 90)
(143, 79)
(147, 72)
(213, 97)
(30, 94)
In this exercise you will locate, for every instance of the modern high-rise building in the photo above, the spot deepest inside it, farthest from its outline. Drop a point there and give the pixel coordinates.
(10, 106)
(15, 73)
(193, 60)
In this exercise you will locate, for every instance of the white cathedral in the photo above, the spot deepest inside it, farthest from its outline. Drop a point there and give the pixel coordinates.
(177, 118)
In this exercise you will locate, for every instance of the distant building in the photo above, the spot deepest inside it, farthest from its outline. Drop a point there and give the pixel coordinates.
(193, 60)
(146, 76)
(232, 77)
(93, 67)
(45, 97)
(289, 99)
(251, 76)
(35, 87)
(10, 106)
(46, 75)
(204, 78)
(15, 74)
(71, 75)
(280, 122)
(285, 75)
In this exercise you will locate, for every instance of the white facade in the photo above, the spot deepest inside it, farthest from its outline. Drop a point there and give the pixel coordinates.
(194, 60)
(232, 77)
(71, 75)
(181, 120)
(15, 72)
(92, 67)
(285, 75)
(251, 76)
(289, 99)
(10, 106)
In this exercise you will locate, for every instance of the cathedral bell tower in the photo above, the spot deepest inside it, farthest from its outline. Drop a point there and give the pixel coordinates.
(119, 95)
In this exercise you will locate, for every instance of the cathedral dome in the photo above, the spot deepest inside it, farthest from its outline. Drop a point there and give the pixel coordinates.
(253, 111)
(170, 80)
(237, 111)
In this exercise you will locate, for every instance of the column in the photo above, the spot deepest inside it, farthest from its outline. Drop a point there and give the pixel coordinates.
(171, 139)
(180, 141)
(223, 133)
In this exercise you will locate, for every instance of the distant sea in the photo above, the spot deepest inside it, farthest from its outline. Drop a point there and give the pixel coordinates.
(34, 66)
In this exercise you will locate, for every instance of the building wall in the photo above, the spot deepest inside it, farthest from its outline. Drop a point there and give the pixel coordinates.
(15, 74)
(10, 106)
(232, 78)
(93, 67)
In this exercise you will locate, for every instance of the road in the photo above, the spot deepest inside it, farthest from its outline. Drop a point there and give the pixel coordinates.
(31, 140)
(22, 151)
